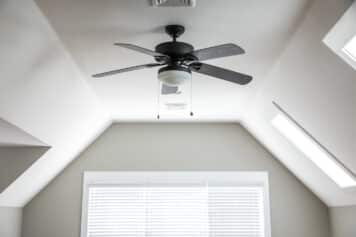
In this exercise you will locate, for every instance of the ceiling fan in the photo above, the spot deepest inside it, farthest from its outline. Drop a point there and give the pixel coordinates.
(178, 59)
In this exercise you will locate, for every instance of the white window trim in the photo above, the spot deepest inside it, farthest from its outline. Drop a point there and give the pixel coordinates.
(347, 52)
(342, 32)
(147, 178)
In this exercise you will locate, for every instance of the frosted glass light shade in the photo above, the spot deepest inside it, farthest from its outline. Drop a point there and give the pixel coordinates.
(174, 77)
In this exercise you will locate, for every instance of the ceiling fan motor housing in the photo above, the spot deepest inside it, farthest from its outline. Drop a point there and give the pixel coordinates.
(176, 50)
(174, 75)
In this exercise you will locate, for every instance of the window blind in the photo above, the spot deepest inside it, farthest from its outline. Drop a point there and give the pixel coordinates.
(175, 211)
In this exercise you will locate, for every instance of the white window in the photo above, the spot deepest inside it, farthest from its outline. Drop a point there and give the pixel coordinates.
(314, 151)
(341, 39)
(175, 204)
(350, 49)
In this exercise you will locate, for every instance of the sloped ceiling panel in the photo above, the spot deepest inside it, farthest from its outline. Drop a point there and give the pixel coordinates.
(10, 135)
(317, 88)
(44, 93)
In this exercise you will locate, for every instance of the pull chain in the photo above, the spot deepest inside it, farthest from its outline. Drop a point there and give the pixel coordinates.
(191, 96)
(158, 99)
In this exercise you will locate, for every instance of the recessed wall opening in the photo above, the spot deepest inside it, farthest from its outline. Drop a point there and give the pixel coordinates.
(200, 204)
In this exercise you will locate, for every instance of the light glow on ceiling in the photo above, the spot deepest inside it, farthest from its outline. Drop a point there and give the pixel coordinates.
(313, 151)
(350, 48)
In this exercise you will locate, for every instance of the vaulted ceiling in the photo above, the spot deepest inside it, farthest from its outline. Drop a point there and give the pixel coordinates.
(50, 48)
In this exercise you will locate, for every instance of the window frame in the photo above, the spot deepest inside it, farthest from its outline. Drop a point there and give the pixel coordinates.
(347, 52)
(259, 178)
(341, 34)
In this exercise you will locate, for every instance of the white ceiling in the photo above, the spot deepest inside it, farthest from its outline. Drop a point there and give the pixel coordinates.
(46, 88)
(89, 28)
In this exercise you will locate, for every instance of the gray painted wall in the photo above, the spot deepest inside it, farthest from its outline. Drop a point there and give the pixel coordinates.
(15, 160)
(295, 210)
(10, 221)
(343, 221)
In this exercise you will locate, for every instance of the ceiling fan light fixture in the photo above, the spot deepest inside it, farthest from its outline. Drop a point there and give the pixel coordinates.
(174, 75)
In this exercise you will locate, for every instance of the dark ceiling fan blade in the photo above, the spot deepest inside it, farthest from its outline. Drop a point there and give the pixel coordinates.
(141, 50)
(220, 73)
(218, 51)
(126, 69)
